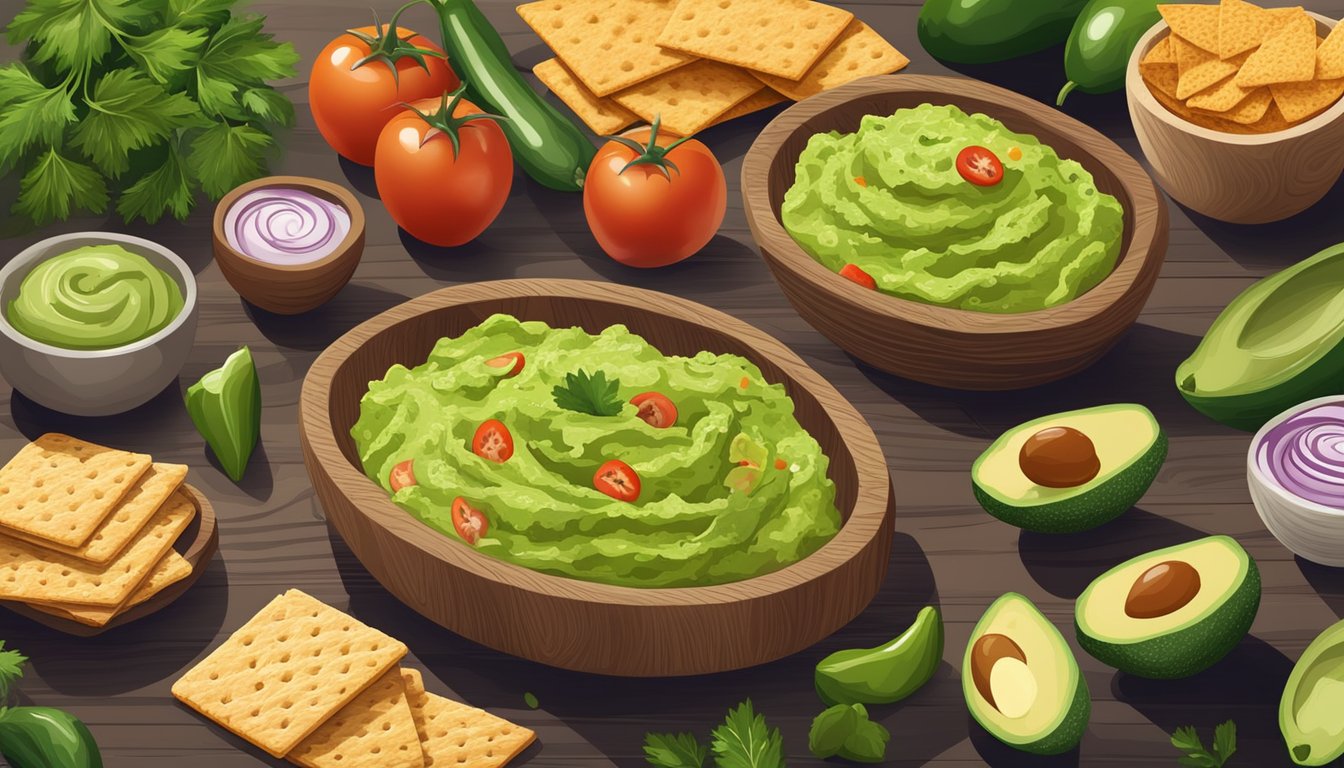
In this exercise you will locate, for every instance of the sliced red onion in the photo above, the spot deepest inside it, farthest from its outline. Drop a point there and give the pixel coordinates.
(285, 226)
(1305, 455)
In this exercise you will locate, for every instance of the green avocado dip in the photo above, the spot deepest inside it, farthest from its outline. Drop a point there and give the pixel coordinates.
(95, 297)
(892, 201)
(598, 457)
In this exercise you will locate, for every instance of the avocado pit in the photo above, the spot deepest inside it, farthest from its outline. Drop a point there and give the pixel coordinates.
(1162, 589)
(1059, 457)
(1001, 675)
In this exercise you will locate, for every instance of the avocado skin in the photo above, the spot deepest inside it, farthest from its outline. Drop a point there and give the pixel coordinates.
(1188, 651)
(1318, 754)
(1098, 506)
(994, 30)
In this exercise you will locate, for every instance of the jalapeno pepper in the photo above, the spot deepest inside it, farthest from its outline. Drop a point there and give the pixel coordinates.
(1097, 53)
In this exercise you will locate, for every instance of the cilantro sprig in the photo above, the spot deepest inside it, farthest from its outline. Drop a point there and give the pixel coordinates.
(11, 669)
(1224, 746)
(588, 393)
(744, 740)
(137, 105)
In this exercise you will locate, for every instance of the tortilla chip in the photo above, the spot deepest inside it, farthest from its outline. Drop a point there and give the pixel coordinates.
(1243, 27)
(1161, 53)
(1197, 24)
(1330, 55)
(1208, 74)
(1160, 76)
(1288, 56)
(1299, 101)
(1248, 111)
(1221, 97)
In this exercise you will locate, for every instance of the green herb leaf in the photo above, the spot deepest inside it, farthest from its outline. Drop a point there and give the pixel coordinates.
(166, 188)
(674, 750)
(269, 105)
(238, 57)
(588, 393)
(198, 13)
(127, 112)
(166, 54)
(55, 184)
(33, 114)
(11, 669)
(1225, 741)
(1198, 760)
(745, 741)
(1224, 745)
(831, 729)
(74, 34)
(868, 743)
(1187, 740)
(225, 156)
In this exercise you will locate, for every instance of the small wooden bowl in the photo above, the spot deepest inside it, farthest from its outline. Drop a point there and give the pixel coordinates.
(582, 625)
(939, 345)
(291, 289)
(1230, 177)
(198, 544)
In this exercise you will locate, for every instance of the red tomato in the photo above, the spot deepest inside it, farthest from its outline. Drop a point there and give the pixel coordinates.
(979, 166)
(617, 480)
(657, 212)
(493, 442)
(469, 522)
(351, 102)
(855, 273)
(514, 361)
(656, 409)
(403, 475)
(440, 194)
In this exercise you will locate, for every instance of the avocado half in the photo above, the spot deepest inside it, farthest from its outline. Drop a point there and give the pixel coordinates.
(1037, 699)
(1309, 712)
(1190, 638)
(1129, 443)
(1280, 343)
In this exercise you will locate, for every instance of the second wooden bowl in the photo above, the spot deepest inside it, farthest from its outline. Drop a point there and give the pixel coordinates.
(582, 625)
(939, 345)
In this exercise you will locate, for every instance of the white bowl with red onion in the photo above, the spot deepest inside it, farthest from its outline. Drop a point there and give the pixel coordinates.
(1295, 471)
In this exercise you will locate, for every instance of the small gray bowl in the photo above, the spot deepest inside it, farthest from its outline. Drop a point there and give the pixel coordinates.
(104, 381)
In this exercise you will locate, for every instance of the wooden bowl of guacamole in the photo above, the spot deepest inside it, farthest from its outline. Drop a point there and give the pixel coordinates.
(953, 232)
(387, 473)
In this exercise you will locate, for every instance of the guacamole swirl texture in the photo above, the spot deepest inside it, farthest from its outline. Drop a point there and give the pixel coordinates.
(686, 528)
(889, 199)
(95, 297)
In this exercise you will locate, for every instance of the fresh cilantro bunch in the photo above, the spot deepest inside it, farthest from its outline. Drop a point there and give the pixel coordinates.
(11, 669)
(588, 393)
(145, 102)
(1196, 756)
(742, 741)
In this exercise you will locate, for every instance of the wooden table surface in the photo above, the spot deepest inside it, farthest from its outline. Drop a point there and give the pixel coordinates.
(947, 551)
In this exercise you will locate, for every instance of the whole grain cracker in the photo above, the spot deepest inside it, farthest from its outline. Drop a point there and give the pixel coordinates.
(691, 98)
(35, 575)
(859, 52)
(762, 99)
(171, 569)
(1243, 26)
(60, 489)
(608, 44)
(1299, 101)
(1160, 76)
(454, 734)
(1330, 55)
(1248, 110)
(1208, 74)
(1195, 23)
(603, 115)
(1161, 52)
(1287, 56)
(287, 671)
(785, 38)
(375, 730)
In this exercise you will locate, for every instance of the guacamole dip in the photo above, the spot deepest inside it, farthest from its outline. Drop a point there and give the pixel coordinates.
(95, 297)
(598, 457)
(890, 206)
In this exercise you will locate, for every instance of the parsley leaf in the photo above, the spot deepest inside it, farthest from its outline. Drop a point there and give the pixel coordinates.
(225, 156)
(11, 669)
(56, 183)
(75, 34)
(32, 114)
(269, 105)
(588, 393)
(166, 188)
(745, 741)
(198, 13)
(674, 750)
(127, 112)
(1187, 740)
(1225, 741)
(166, 53)
(239, 56)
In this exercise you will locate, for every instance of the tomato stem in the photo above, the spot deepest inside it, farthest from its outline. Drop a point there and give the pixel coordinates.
(446, 123)
(651, 153)
(389, 47)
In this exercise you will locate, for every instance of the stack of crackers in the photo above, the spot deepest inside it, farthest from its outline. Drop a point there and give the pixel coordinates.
(308, 683)
(698, 63)
(87, 532)
(1239, 68)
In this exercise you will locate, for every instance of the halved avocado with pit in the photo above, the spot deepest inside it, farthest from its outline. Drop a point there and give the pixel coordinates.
(1311, 712)
(1279, 343)
(1021, 681)
(1173, 612)
(1122, 447)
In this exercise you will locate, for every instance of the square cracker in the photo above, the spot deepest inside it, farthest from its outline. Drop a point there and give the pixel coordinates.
(607, 44)
(1194, 22)
(60, 489)
(454, 734)
(762, 99)
(287, 671)
(1298, 101)
(691, 98)
(375, 730)
(785, 38)
(603, 115)
(170, 570)
(35, 575)
(859, 52)
(1287, 56)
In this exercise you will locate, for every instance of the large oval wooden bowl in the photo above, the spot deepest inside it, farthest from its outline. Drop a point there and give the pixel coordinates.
(576, 624)
(938, 345)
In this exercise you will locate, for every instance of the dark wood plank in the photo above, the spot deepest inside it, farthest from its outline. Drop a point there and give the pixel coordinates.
(946, 550)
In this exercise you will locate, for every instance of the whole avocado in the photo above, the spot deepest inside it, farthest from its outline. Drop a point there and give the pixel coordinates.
(985, 31)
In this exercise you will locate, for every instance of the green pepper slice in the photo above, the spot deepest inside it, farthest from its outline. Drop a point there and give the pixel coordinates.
(225, 406)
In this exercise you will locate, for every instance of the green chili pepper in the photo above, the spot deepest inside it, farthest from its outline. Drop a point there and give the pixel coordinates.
(1097, 54)
(225, 406)
(40, 737)
(887, 673)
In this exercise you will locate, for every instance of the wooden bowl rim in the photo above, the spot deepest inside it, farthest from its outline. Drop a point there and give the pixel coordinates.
(1139, 93)
(199, 553)
(863, 524)
(1138, 258)
(327, 190)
